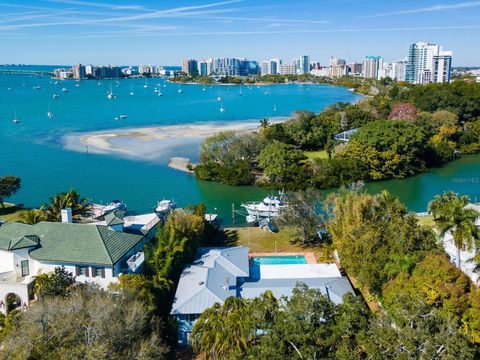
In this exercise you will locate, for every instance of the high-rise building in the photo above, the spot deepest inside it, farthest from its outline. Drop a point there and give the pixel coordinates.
(78, 72)
(372, 66)
(190, 67)
(338, 70)
(287, 69)
(270, 67)
(355, 68)
(442, 67)
(296, 63)
(424, 61)
(304, 65)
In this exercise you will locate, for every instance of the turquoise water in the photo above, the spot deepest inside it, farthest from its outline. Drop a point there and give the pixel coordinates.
(34, 149)
(279, 260)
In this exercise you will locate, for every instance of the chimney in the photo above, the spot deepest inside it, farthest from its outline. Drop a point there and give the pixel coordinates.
(67, 216)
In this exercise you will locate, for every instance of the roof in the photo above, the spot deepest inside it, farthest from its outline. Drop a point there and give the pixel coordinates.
(334, 287)
(19, 242)
(210, 279)
(213, 277)
(115, 217)
(70, 243)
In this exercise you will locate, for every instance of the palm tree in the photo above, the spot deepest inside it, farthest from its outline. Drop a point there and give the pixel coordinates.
(451, 215)
(264, 124)
(223, 330)
(32, 216)
(70, 199)
(40, 281)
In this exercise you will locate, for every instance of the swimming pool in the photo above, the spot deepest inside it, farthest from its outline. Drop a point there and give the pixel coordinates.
(278, 260)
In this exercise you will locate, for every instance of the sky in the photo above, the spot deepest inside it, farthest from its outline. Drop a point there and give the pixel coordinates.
(163, 32)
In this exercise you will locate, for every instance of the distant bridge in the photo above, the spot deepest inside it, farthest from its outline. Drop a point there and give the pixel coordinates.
(25, 72)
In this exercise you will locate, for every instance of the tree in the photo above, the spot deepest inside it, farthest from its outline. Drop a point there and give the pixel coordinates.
(390, 149)
(9, 185)
(403, 111)
(58, 283)
(89, 324)
(451, 216)
(223, 330)
(70, 199)
(372, 232)
(280, 162)
(32, 216)
(302, 214)
(264, 125)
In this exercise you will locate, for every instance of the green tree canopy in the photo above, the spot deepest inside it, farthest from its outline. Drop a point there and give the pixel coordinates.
(9, 185)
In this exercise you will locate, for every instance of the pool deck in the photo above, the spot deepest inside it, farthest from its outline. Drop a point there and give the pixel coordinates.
(309, 256)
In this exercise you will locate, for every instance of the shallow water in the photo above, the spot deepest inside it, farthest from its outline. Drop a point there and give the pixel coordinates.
(33, 149)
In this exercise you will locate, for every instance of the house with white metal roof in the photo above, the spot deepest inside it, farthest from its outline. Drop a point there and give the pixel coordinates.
(219, 273)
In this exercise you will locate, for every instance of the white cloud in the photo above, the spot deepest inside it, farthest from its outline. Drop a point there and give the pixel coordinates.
(438, 7)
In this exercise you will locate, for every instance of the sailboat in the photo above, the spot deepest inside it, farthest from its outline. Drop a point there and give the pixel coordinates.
(240, 93)
(219, 98)
(179, 89)
(50, 114)
(146, 84)
(15, 119)
(274, 107)
(110, 94)
(131, 89)
(222, 109)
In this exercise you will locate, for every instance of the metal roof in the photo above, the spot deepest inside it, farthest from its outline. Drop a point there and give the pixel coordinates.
(212, 278)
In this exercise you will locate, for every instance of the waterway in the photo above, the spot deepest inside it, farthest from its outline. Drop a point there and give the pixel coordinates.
(35, 148)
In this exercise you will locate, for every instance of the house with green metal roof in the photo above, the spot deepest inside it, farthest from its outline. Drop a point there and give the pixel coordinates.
(93, 253)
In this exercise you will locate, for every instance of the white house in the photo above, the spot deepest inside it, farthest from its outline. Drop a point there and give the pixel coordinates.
(93, 253)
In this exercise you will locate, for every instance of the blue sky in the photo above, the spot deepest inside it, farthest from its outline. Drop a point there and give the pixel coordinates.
(165, 31)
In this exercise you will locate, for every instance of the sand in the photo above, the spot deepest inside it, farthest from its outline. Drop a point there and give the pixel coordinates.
(170, 144)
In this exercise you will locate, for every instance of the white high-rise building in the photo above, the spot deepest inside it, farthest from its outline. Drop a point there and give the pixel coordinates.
(442, 67)
(372, 67)
(287, 69)
(424, 61)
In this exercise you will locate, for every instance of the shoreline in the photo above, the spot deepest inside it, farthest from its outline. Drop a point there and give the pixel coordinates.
(166, 144)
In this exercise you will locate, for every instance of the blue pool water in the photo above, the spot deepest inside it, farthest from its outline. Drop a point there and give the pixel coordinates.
(279, 260)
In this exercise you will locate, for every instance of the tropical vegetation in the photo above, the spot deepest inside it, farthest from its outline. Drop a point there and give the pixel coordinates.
(402, 130)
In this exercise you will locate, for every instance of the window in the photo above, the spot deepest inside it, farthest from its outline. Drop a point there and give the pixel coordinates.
(25, 267)
(98, 272)
(82, 271)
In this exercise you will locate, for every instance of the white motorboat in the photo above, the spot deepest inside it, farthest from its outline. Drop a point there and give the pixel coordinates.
(64, 90)
(165, 206)
(270, 207)
(114, 205)
(123, 116)
(55, 96)
(50, 114)
(110, 95)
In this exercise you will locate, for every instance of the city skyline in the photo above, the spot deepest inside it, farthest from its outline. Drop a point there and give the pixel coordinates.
(133, 32)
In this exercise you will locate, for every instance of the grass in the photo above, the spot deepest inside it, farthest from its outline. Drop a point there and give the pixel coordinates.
(258, 240)
(10, 212)
(426, 221)
(312, 155)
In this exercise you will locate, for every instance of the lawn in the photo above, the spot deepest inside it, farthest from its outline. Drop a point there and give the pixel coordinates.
(258, 240)
(312, 155)
(426, 221)
(10, 212)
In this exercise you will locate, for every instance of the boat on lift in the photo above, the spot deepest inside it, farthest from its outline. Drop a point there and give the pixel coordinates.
(165, 206)
(270, 207)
